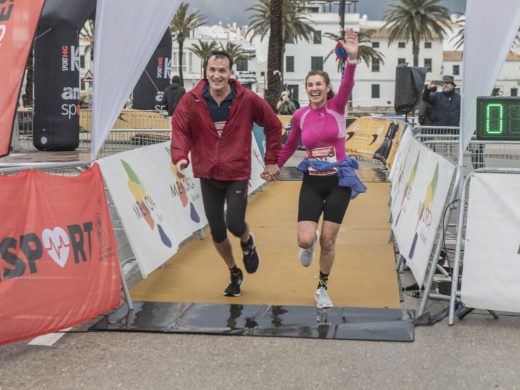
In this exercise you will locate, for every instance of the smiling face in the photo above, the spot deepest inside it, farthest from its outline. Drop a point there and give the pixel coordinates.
(317, 89)
(218, 73)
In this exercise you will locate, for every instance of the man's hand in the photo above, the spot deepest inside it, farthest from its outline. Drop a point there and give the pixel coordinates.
(270, 172)
(181, 164)
(432, 85)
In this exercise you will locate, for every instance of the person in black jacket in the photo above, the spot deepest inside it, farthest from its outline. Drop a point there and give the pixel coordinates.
(172, 95)
(445, 110)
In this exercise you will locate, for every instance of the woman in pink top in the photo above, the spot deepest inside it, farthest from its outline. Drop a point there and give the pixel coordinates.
(329, 180)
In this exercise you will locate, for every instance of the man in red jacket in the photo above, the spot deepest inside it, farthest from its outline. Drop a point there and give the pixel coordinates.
(214, 121)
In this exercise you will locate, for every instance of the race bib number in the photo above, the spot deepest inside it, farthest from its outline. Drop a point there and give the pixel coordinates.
(327, 154)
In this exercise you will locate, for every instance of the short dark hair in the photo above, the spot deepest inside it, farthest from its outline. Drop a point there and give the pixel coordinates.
(219, 54)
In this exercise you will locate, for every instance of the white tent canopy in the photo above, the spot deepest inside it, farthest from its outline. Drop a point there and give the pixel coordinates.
(127, 33)
(488, 35)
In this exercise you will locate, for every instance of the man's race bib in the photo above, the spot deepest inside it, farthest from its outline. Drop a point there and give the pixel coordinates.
(327, 154)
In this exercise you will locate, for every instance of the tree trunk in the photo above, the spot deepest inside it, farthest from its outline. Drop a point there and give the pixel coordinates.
(415, 50)
(181, 46)
(274, 56)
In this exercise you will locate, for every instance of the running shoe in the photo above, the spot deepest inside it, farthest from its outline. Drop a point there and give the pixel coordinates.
(307, 255)
(251, 257)
(322, 298)
(233, 289)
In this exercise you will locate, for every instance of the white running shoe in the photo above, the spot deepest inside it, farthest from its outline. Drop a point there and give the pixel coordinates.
(322, 298)
(307, 255)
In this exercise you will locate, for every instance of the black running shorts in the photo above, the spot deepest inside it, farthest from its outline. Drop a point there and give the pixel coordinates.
(322, 194)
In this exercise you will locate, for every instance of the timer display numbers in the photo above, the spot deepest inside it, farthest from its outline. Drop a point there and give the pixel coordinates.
(498, 118)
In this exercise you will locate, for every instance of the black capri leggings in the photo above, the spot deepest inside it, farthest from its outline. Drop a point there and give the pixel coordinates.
(215, 193)
(322, 194)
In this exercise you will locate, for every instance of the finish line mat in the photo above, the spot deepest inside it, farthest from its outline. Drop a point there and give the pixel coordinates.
(363, 274)
(262, 320)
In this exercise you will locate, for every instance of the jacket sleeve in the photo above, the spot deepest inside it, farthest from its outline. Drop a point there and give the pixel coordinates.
(265, 116)
(181, 131)
(428, 96)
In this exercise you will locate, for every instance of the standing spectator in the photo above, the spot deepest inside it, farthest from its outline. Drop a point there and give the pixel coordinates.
(445, 109)
(172, 95)
(285, 106)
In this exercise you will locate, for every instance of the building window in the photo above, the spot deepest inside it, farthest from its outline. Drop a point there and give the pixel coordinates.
(289, 64)
(187, 63)
(456, 70)
(375, 45)
(262, 73)
(375, 91)
(242, 66)
(317, 63)
(317, 37)
(496, 92)
(427, 45)
(514, 91)
(289, 39)
(428, 64)
(401, 45)
(401, 61)
(375, 65)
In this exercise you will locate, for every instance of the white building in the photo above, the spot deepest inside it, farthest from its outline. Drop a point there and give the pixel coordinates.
(375, 82)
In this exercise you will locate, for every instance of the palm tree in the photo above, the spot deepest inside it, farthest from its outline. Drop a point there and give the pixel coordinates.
(86, 35)
(366, 52)
(180, 27)
(275, 53)
(237, 52)
(202, 50)
(416, 20)
(293, 25)
(459, 37)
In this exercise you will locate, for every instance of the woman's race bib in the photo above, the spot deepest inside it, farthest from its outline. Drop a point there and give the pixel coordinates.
(327, 154)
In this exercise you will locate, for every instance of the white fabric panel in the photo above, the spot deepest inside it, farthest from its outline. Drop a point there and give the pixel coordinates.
(127, 33)
(420, 189)
(257, 167)
(488, 34)
(491, 272)
(157, 210)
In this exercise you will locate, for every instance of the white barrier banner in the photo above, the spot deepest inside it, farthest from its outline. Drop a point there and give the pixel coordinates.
(491, 273)
(421, 188)
(158, 210)
(400, 156)
(257, 167)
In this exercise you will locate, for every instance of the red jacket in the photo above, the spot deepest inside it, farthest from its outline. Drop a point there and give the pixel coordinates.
(229, 157)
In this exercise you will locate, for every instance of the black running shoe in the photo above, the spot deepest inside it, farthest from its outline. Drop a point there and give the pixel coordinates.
(251, 258)
(233, 289)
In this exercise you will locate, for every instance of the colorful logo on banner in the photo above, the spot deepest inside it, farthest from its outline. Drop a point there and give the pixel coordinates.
(424, 214)
(144, 205)
(17, 25)
(58, 255)
(408, 187)
(181, 188)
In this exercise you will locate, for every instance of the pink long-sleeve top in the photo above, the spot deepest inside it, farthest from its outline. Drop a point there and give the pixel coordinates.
(324, 126)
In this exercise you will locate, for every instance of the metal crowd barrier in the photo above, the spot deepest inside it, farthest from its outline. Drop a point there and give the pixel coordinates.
(132, 129)
(479, 154)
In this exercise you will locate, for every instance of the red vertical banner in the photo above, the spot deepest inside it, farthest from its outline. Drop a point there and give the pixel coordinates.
(59, 261)
(18, 20)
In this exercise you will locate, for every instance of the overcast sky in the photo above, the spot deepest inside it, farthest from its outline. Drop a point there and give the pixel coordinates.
(229, 11)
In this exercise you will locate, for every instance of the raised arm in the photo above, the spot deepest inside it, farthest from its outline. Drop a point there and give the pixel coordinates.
(351, 46)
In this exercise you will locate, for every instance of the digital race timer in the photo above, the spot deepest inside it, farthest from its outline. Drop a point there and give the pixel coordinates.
(498, 118)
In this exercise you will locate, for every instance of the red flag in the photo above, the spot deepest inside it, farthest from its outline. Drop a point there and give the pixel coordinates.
(18, 20)
(58, 255)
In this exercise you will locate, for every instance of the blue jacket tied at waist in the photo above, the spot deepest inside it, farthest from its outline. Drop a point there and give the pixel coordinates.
(345, 171)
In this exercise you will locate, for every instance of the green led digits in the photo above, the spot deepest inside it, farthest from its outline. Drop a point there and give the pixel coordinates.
(498, 118)
(494, 118)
